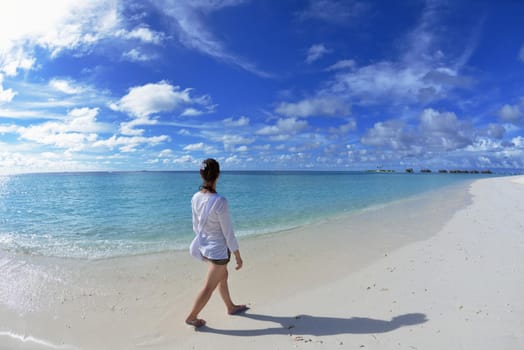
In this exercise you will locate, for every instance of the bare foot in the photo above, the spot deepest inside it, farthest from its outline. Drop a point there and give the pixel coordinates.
(197, 323)
(238, 309)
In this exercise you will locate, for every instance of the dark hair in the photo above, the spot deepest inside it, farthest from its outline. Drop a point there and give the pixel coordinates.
(209, 171)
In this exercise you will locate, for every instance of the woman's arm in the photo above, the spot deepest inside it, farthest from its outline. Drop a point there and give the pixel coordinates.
(227, 229)
(238, 259)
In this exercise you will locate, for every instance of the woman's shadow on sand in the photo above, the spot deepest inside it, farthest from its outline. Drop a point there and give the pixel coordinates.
(321, 326)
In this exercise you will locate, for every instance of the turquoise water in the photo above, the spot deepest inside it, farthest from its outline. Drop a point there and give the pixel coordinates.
(99, 215)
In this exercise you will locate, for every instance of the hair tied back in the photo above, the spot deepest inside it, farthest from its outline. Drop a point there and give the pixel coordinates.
(209, 171)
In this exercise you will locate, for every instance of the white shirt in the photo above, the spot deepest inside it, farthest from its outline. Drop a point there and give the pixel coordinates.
(216, 235)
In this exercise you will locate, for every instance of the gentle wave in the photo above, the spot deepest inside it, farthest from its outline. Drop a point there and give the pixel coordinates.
(19, 338)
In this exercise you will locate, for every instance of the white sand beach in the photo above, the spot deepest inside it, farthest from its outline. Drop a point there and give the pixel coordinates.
(444, 270)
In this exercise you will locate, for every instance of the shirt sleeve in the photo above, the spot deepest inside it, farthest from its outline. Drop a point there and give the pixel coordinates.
(227, 226)
(194, 215)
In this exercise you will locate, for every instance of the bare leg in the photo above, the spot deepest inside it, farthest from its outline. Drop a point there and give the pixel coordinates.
(215, 274)
(224, 293)
(232, 308)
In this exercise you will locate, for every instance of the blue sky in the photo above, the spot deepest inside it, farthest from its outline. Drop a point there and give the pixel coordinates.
(319, 84)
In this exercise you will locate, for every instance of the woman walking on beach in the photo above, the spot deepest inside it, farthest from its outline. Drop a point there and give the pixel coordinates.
(214, 242)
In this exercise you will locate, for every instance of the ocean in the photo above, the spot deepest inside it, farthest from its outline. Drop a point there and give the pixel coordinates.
(110, 214)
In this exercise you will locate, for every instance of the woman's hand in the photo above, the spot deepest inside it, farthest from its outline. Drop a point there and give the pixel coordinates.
(238, 259)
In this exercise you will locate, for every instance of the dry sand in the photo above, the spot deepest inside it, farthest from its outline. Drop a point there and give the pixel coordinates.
(440, 271)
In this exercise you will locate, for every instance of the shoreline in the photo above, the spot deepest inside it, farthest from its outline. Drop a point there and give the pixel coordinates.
(345, 214)
(286, 273)
(78, 223)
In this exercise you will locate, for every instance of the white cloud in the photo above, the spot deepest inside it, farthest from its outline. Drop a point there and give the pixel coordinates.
(135, 55)
(229, 139)
(195, 147)
(184, 132)
(50, 134)
(66, 86)
(191, 112)
(421, 73)
(316, 106)
(435, 131)
(382, 81)
(27, 114)
(79, 130)
(243, 148)
(67, 24)
(185, 159)
(18, 162)
(6, 95)
(191, 27)
(388, 134)
(497, 154)
(283, 129)
(8, 129)
(521, 53)
(443, 130)
(518, 142)
(142, 101)
(316, 52)
(483, 144)
(130, 143)
(130, 127)
(511, 113)
(14, 60)
(51, 99)
(344, 128)
(143, 34)
(495, 131)
(84, 120)
(342, 64)
(433, 120)
(396, 82)
(234, 159)
(242, 121)
(165, 153)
